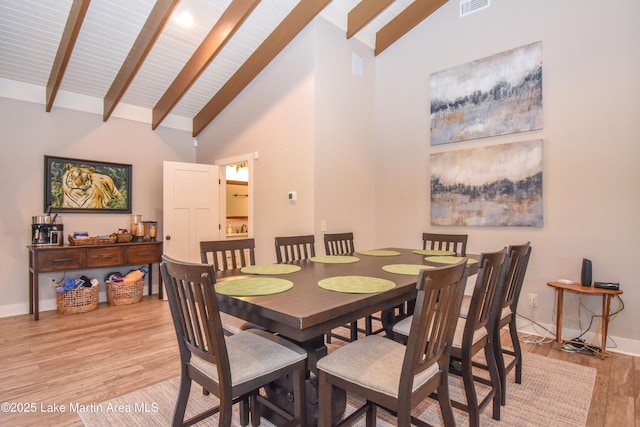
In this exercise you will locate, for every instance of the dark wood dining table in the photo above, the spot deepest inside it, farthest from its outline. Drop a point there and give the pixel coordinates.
(306, 312)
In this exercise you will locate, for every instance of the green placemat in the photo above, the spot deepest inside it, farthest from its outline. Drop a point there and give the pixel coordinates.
(356, 284)
(335, 259)
(408, 269)
(433, 252)
(270, 269)
(449, 259)
(253, 286)
(379, 252)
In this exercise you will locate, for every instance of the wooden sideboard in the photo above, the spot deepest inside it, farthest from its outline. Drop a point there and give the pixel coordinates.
(44, 259)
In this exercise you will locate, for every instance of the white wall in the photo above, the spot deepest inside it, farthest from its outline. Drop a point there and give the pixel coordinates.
(29, 133)
(591, 104)
(309, 119)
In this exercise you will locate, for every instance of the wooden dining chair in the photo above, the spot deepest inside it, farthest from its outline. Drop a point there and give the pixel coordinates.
(229, 255)
(339, 244)
(474, 334)
(515, 270)
(446, 242)
(393, 376)
(295, 248)
(343, 244)
(233, 368)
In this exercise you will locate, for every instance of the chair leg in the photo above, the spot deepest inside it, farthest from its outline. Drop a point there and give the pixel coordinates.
(353, 327)
(299, 395)
(445, 402)
(371, 415)
(470, 392)
(494, 375)
(516, 349)
(181, 403)
(502, 374)
(324, 400)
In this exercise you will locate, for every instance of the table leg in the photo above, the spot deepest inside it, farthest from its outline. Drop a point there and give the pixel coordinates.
(559, 316)
(606, 306)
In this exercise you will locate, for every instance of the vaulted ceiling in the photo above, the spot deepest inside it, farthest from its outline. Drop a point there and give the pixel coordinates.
(138, 53)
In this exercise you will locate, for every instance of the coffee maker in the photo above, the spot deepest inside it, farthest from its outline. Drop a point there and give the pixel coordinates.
(47, 230)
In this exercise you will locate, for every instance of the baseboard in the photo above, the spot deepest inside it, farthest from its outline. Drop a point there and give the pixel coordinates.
(620, 345)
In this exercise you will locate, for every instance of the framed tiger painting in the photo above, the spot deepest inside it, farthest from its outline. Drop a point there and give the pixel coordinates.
(86, 186)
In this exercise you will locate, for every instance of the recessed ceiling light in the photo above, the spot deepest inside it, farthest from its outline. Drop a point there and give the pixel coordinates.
(184, 18)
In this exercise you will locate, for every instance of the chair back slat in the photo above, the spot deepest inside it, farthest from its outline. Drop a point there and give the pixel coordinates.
(295, 248)
(438, 302)
(194, 309)
(339, 243)
(516, 268)
(445, 242)
(228, 254)
(485, 300)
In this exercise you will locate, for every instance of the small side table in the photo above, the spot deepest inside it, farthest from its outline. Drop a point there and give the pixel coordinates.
(586, 290)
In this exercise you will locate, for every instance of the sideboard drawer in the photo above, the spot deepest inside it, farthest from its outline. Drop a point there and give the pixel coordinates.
(60, 260)
(104, 257)
(143, 254)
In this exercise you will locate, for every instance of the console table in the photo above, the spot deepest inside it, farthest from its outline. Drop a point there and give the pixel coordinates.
(44, 259)
(585, 290)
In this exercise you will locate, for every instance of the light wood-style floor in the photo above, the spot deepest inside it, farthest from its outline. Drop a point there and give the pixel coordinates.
(88, 358)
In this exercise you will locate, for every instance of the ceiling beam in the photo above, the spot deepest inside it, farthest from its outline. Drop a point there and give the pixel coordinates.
(150, 32)
(413, 14)
(230, 21)
(68, 40)
(286, 31)
(363, 13)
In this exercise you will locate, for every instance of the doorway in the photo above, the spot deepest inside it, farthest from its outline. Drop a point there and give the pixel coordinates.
(236, 197)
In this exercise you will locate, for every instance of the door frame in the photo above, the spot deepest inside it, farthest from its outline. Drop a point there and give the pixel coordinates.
(248, 158)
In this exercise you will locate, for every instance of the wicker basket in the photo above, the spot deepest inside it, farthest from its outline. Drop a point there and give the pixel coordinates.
(80, 300)
(123, 293)
(88, 241)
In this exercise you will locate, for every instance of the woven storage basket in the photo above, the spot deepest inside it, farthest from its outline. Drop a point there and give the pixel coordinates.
(123, 293)
(79, 300)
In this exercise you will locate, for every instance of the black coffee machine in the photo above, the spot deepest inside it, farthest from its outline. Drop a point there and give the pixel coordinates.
(47, 230)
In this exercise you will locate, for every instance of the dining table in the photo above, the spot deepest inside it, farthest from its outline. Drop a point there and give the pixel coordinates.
(306, 299)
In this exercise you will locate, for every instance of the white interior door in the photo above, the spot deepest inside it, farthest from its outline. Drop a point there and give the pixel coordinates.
(191, 194)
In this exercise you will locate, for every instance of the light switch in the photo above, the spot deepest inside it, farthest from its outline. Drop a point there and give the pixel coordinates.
(293, 196)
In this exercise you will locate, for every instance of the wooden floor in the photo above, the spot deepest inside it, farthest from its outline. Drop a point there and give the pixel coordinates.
(66, 360)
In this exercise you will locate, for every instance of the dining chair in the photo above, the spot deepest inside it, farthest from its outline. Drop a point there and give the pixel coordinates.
(393, 376)
(295, 248)
(227, 255)
(343, 244)
(515, 270)
(233, 368)
(446, 242)
(474, 334)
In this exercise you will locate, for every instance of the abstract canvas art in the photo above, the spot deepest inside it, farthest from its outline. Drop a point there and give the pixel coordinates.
(497, 95)
(499, 185)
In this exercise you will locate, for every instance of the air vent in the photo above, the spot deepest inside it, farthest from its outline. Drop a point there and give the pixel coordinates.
(468, 7)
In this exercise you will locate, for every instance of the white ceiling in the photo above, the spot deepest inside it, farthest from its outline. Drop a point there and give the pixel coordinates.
(31, 31)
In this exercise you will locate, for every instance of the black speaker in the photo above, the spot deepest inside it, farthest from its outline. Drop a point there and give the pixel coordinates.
(586, 272)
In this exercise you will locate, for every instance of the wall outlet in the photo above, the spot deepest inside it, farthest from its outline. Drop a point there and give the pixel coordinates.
(533, 300)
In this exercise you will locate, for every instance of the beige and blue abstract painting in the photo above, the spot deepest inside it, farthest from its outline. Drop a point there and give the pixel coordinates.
(497, 95)
(499, 185)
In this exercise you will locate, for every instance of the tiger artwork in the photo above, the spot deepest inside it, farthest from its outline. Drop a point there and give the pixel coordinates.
(84, 188)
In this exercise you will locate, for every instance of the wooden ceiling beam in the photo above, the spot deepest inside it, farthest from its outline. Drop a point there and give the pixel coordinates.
(287, 30)
(411, 16)
(68, 40)
(149, 33)
(363, 13)
(230, 21)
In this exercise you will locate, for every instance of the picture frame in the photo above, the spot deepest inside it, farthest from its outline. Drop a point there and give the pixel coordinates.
(86, 186)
